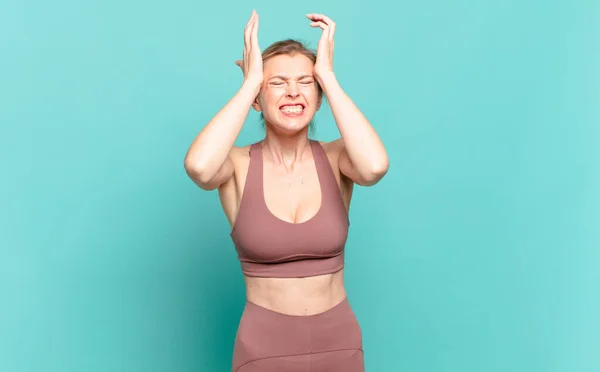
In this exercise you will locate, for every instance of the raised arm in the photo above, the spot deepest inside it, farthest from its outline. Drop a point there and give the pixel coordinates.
(363, 157)
(208, 160)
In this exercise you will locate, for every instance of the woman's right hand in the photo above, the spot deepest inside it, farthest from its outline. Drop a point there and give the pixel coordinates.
(252, 65)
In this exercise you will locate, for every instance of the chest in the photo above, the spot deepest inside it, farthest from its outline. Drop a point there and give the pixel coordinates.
(292, 196)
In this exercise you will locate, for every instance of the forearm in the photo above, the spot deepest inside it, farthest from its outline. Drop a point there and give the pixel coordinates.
(211, 147)
(363, 145)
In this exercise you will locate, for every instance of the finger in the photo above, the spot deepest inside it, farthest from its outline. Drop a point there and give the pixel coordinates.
(254, 34)
(249, 23)
(319, 24)
(246, 36)
(320, 17)
(241, 66)
(251, 32)
(250, 19)
(327, 20)
(247, 31)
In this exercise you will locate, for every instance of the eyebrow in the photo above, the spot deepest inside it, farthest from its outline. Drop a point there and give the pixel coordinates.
(282, 77)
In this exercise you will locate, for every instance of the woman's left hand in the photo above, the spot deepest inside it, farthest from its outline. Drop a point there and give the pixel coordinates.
(324, 64)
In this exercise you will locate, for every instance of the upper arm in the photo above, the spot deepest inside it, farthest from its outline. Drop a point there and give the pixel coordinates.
(348, 169)
(224, 174)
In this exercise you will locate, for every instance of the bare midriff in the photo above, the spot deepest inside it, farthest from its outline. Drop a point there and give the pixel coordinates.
(297, 296)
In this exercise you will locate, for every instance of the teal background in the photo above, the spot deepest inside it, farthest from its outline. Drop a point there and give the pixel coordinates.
(479, 251)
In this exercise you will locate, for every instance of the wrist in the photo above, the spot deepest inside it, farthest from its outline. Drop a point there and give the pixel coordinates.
(325, 80)
(252, 84)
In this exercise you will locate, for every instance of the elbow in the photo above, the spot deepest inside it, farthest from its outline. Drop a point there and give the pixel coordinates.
(378, 170)
(381, 168)
(197, 173)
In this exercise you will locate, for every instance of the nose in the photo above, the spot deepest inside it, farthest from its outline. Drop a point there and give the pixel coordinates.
(292, 90)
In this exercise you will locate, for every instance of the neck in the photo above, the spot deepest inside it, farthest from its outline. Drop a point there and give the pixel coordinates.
(287, 150)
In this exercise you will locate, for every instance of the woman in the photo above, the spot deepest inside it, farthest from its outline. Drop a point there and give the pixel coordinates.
(287, 199)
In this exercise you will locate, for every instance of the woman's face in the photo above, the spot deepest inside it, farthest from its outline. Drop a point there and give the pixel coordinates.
(289, 96)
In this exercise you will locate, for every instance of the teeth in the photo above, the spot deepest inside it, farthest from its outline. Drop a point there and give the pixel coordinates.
(292, 109)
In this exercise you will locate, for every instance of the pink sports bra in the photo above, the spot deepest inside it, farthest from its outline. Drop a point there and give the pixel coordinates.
(270, 247)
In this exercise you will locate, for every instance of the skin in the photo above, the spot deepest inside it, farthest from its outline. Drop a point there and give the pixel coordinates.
(291, 188)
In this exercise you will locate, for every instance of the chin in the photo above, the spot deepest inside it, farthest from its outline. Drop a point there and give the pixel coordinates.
(290, 125)
(290, 128)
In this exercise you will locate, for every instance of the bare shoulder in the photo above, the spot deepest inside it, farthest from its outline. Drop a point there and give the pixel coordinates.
(333, 149)
(240, 153)
(333, 146)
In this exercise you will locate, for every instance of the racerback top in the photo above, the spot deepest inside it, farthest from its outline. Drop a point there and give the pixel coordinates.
(268, 246)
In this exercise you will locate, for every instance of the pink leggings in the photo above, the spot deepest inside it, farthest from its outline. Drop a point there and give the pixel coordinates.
(269, 341)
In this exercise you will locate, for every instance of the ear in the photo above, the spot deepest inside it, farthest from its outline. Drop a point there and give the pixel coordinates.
(256, 104)
(319, 101)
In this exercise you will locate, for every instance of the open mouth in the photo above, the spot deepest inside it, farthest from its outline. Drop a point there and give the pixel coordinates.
(292, 110)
